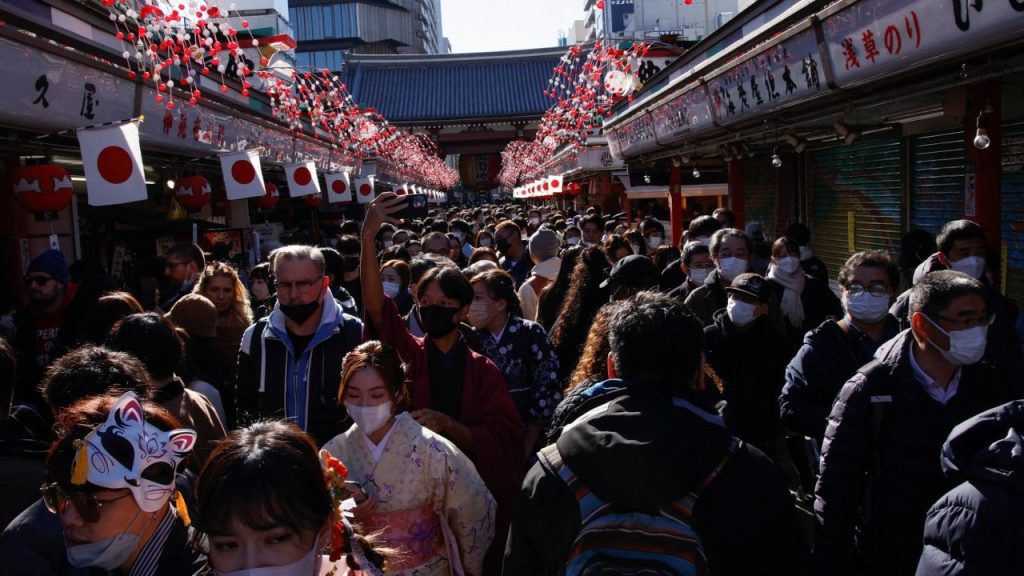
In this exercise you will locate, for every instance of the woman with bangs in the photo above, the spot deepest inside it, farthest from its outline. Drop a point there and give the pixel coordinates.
(220, 283)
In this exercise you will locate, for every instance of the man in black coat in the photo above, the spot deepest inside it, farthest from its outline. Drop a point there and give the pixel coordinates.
(880, 468)
(651, 443)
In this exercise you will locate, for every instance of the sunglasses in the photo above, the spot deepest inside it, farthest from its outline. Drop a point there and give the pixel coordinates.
(37, 280)
(88, 506)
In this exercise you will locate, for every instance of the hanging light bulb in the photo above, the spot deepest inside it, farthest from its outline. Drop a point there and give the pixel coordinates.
(696, 172)
(170, 183)
(981, 139)
(776, 160)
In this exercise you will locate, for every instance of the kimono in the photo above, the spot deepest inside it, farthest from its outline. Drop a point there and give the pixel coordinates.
(487, 410)
(525, 356)
(430, 501)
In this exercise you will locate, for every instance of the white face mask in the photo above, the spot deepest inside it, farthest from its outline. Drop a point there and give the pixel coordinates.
(654, 241)
(573, 240)
(741, 313)
(460, 235)
(732, 267)
(788, 265)
(308, 564)
(604, 238)
(706, 240)
(485, 242)
(806, 253)
(535, 221)
(107, 554)
(391, 289)
(973, 266)
(370, 418)
(388, 244)
(865, 307)
(698, 275)
(965, 346)
(635, 248)
(479, 314)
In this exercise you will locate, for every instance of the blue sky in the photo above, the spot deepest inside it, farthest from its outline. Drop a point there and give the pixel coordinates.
(498, 25)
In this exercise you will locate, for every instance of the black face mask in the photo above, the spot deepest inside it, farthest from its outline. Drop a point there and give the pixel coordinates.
(299, 313)
(504, 245)
(350, 263)
(438, 321)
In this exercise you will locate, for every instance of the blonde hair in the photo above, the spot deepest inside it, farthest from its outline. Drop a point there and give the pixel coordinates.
(240, 308)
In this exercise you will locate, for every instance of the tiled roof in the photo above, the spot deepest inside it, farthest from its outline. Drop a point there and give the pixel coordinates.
(452, 87)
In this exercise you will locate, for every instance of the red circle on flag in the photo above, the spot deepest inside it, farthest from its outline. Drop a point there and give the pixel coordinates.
(243, 172)
(302, 176)
(338, 186)
(115, 164)
(554, 183)
(365, 189)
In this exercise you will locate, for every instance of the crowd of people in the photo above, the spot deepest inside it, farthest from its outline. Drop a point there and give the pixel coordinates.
(519, 390)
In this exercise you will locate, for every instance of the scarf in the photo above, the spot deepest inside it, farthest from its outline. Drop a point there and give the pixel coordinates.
(792, 306)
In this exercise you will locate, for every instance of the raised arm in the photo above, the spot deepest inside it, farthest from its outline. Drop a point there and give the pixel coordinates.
(378, 212)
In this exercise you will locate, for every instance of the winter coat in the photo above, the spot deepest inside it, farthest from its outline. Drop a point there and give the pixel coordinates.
(709, 298)
(649, 448)
(978, 527)
(880, 467)
(820, 303)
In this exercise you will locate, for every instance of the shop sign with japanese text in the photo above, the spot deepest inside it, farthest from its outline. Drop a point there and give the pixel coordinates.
(683, 115)
(634, 137)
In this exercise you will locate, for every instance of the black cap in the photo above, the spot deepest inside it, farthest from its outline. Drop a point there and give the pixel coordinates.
(619, 216)
(753, 285)
(634, 270)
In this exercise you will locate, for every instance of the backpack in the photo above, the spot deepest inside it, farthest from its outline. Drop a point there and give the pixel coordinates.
(611, 540)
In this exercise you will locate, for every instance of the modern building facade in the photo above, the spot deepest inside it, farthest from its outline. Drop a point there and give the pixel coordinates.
(326, 29)
(652, 19)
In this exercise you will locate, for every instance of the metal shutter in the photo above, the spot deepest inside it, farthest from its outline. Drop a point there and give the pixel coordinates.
(768, 193)
(858, 184)
(1013, 208)
(936, 180)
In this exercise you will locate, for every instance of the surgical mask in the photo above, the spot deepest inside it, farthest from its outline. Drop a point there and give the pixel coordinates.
(731, 267)
(699, 275)
(485, 242)
(479, 314)
(438, 321)
(391, 289)
(299, 313)
(866, 307)
(965, 346)
(460, 235)
(370, 418)
(308, 564)
(588, 243)
(535, 221)
(806, 253)
(654, 241)
(706, 240)
(388, 244)
(108, 554)
(973, 266)
(572, 240)
(741, 313)
(788, 265)
(635, 248)
(604, 238)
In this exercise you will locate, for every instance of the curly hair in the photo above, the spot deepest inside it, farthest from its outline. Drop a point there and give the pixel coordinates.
(593, 364)
(240, 308)
(582, 301)
(551, 297)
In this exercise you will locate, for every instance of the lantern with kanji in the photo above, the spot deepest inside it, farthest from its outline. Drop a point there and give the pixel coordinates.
(192, 192)
(479, 172)
(313, 200)
(574, 189)
(43, 189)
(270, 198)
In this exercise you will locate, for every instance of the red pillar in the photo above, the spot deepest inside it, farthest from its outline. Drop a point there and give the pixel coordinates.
(736, 191)
(987, 164)
(675, 202)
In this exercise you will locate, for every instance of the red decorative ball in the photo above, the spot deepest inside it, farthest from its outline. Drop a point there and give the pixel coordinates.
(42, 188)
(270, 198)
(192, 192)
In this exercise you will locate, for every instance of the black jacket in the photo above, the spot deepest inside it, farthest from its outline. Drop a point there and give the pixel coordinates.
(978, 527)
(827, 359)
(649, 448)
(709, 298)
(896, 444)
(820, 303)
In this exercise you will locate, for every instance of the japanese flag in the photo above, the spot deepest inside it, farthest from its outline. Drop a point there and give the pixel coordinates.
(302, 180)
(113, 164)
(402, 190)
(339, 188)
(364, 190)
(243, 175)
(555, 183)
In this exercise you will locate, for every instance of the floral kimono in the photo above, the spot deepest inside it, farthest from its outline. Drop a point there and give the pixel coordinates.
(431, 504)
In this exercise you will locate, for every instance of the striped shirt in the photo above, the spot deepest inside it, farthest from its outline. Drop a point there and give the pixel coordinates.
(149, 558)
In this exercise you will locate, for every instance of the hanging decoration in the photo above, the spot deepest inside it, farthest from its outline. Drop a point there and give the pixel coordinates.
(43, 189)
(192, 192)
(270, 198)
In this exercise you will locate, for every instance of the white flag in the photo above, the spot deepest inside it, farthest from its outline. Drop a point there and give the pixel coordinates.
(243, 175)
(112, 160)
(302, 180)
(364, 190)
(555, 183)
(339, 188)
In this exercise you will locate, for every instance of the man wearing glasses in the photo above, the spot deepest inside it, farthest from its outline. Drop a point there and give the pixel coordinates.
(289, 364)
(184, 263)
(880, 469)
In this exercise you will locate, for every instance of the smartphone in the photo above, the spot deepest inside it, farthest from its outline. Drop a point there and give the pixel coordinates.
(415, 208)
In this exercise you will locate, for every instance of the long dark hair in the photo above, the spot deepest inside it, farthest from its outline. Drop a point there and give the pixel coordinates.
(551, 298)
(582, 301)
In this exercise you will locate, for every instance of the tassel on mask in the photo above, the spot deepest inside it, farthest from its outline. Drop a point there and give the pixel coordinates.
(179, 505)
(80, 469)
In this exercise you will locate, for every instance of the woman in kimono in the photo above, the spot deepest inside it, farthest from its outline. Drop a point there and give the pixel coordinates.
(520, 348)
(453, 391)
(412, 484)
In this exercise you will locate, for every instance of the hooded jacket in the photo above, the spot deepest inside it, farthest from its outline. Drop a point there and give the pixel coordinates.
(880, 467)
(649, 448)
(978, 527)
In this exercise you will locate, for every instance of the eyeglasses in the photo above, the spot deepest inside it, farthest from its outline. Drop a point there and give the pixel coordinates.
(301, 285)
(172, 264)
(88, 506)
(877, 289)
(967, 323)
(37, 280)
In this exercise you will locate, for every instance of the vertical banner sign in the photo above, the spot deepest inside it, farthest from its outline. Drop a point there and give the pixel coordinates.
(302, 180)
(364, 190)
(112, 160)
(339, 187)
(243, 176)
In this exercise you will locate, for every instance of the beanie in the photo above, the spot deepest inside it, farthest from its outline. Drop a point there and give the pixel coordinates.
(51, 263)
(544, 244)
(195, 314)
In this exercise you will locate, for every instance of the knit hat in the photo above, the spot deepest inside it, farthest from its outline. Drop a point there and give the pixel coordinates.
(195, 314)
(544, 244)
(52, 264)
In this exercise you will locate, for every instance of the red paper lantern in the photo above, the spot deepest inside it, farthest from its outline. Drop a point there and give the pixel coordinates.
(313, 200)
(192, 192)
(43, 189)
(574, 189)
(270, 198)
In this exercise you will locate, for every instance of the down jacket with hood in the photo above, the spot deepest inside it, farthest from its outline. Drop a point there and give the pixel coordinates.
(648, 448)
(880, 470)
(978, 527)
